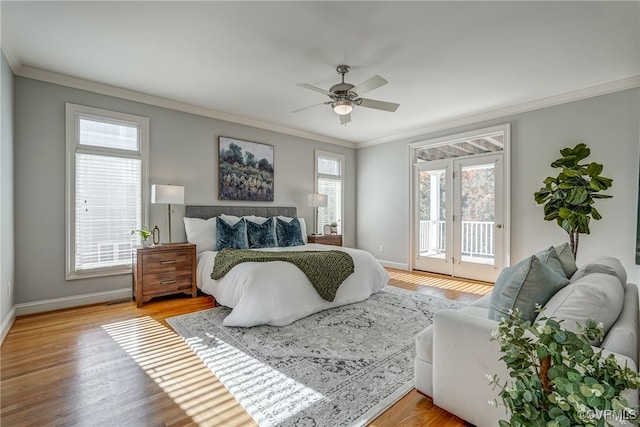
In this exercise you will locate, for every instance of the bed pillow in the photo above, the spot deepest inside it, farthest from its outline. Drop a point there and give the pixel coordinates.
(289, 233)
(230, 219)
(261, 235)
(303, 226)
(201, 232)
(522, 286)
(231, 236)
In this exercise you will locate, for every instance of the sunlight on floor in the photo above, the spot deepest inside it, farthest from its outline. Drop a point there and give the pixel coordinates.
(169, 361)
(174, 366)
(441, 282)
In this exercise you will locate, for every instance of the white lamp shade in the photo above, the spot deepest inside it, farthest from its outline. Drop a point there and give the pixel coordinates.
(170, 194)
(318, 200)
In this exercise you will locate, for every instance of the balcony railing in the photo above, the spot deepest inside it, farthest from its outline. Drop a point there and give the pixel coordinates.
(477, 238)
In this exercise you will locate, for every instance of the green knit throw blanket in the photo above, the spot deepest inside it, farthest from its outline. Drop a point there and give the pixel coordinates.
(326, 270)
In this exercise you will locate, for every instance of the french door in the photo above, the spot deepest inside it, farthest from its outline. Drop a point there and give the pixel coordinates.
(459, 213)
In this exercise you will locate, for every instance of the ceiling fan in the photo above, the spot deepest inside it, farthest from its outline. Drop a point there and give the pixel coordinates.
(345, 96)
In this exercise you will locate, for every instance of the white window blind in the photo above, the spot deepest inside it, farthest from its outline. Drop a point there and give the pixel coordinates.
(108, 194)
(105, 184)
(329, 181)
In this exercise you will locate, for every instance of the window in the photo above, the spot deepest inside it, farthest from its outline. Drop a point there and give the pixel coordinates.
(106, 190)
(329, 181)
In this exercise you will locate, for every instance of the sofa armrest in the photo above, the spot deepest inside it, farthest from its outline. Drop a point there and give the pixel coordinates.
(463, 355)
(622, 338)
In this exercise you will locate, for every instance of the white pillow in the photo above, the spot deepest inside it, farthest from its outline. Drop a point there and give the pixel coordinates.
(256, 219)
(201, 232)
(230, 219)
(303, 226)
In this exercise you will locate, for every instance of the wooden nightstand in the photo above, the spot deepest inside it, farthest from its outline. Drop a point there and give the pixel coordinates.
(164, 270)
(326, 239)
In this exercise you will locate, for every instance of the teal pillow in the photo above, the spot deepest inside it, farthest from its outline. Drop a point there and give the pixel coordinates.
(231, 236)
(522, 286)
(550, 258)
(566, 259)
(289, 233)
(262, 235)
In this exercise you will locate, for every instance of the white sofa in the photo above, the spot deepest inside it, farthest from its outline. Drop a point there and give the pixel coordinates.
(455, 353)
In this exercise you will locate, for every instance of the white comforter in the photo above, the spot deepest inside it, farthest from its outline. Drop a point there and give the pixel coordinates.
(278, 293)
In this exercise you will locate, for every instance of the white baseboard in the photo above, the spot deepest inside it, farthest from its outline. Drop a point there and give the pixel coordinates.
(396, 265)
(7, 323)
(69, 302)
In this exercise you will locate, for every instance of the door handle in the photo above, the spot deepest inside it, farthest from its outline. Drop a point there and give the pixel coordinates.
(498, 225)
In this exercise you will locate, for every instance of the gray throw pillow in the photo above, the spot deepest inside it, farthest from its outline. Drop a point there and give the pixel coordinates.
(566, 259)
(550, 258)
(522, 286)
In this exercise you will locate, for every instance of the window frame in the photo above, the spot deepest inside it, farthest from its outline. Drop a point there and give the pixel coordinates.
(73, 114)
(340, 177)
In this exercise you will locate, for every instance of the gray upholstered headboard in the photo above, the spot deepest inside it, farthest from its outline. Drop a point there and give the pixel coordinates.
(206, 212)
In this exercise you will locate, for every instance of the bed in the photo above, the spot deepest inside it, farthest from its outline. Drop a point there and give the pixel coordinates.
(273, 293)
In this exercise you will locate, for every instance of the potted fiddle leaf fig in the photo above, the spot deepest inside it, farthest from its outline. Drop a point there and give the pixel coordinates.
(558, 379)
(569, 197)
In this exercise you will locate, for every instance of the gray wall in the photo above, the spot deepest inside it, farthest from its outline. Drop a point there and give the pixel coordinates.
(608, 124)
(7, 282)
(183, 151)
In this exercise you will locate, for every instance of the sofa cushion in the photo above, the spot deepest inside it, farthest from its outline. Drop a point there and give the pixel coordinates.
(596, 296)
(522, 286)
(602, 264)
(566, 259)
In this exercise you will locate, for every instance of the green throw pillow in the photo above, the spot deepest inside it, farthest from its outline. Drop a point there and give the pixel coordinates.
(550, 258)
(566, 259)
(522, 286)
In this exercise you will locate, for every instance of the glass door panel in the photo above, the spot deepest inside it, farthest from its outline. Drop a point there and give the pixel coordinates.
(477, 213)
(432, 213)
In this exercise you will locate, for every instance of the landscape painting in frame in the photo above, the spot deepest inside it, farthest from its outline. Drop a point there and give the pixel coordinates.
(246, 170)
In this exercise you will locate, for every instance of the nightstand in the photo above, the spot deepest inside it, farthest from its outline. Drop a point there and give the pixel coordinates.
(164, 270)
(326, 239)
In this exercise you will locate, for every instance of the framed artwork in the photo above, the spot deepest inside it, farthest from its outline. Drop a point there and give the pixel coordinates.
(245, 170)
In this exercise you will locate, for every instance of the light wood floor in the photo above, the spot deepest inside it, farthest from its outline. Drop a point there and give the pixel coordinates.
(116, 365)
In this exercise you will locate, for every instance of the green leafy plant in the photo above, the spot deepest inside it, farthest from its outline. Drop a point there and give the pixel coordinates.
(557, 378)
(334, 224)
(568, 198)
(144, 232)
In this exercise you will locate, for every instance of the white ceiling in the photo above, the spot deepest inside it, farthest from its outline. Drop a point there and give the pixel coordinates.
(242, 60)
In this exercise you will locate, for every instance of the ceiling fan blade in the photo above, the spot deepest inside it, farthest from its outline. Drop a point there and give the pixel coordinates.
(369, 85)
(378, 105)
(314, 88)
(345, 119)
(308, 106)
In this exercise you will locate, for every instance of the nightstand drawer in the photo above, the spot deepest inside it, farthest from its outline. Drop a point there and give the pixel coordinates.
(166, 261)
(165, 282)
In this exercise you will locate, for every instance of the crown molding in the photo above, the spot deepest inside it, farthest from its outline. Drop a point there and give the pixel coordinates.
(603, 89)
(104, 89)
(92, 86)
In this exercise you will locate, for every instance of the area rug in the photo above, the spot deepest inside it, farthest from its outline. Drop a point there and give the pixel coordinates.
(339, 367)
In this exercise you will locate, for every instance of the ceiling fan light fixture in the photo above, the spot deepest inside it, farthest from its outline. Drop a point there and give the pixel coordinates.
(342, 107)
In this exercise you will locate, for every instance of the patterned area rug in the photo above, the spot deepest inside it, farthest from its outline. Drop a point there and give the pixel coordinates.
(339, 367)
